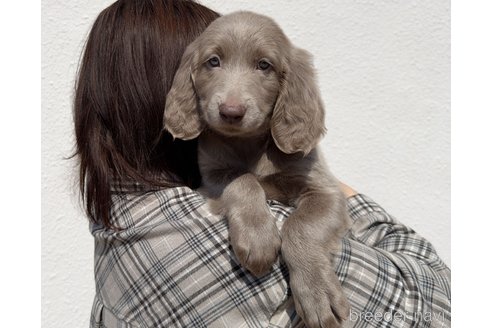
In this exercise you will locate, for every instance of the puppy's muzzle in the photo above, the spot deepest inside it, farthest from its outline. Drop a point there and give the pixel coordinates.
(231, 114)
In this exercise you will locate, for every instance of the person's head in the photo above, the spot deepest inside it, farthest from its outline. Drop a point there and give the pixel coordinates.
(128, 65)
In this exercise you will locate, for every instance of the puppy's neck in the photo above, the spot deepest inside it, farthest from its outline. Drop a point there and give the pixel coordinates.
(257, 142)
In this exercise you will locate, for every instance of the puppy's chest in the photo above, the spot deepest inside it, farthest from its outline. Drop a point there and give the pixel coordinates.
(265, 166)
(271, 174)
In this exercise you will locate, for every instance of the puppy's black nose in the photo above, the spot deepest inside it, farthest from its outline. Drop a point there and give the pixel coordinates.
(232, 114)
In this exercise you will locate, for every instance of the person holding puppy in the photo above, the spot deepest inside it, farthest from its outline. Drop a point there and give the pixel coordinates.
(162, 259)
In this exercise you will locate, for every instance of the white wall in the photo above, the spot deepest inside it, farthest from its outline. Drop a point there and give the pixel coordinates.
(384, 71)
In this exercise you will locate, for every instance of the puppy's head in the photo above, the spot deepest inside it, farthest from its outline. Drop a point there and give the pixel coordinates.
(242, 77)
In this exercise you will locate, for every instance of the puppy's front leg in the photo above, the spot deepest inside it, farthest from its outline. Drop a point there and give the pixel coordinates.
(309, 235)
(253, 233)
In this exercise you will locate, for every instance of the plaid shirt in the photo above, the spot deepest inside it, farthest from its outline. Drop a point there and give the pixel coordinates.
(172, 266)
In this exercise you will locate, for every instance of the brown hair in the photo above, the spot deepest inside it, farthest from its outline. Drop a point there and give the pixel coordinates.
(130, 58)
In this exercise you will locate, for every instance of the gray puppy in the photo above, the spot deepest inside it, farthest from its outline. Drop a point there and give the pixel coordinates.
(252, 98)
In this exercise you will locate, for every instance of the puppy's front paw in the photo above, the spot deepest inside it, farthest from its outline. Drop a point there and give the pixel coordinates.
(319, 298)
(256, 242)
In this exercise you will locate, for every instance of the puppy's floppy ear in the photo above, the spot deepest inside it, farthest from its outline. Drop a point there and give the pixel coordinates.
(181, 116)
(298, 116)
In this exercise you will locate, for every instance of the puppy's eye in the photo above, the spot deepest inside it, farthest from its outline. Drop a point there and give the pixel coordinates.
(263, 65)
(214, 62)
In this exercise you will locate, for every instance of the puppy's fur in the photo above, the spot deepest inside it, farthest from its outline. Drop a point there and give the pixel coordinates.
(259, 125)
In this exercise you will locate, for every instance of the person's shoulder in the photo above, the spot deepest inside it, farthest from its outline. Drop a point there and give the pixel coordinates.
(360, 205)
(141, 208)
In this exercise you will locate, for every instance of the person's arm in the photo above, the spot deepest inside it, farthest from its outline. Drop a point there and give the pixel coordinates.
(392, 276)
(405, 280)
